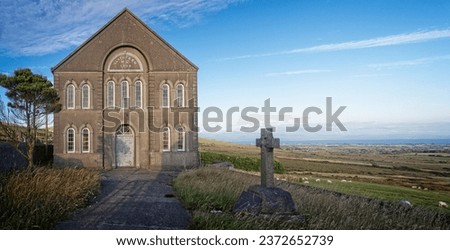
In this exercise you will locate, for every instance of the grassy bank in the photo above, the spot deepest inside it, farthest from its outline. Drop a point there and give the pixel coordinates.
(37, 199)
(211, 193)
(246, 163)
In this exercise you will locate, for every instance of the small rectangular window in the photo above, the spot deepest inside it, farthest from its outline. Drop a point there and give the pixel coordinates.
(70, 96)
(124, 95)
(85, 97)
(180, 96)
(85, 140)
(70, 140)
(166, 139)
(181, 140)
(165, 96)
(110, 95)
(138, 94)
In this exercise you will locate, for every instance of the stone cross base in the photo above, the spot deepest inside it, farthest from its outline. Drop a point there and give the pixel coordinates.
(265, 200)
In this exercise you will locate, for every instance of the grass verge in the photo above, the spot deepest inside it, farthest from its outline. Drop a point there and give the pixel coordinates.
(210, 194)
(39, 198)
(240, 162)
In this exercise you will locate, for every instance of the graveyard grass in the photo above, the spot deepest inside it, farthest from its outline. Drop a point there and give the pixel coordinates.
(360, 202)
(210, 193)
(39, 198)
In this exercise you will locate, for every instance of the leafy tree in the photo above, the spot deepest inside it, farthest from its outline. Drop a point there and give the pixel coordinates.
(31, 98)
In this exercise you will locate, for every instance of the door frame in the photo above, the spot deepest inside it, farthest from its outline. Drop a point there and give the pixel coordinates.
(122, 130)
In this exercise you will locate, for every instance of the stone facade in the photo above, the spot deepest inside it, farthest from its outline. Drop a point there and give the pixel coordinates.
(128, 99)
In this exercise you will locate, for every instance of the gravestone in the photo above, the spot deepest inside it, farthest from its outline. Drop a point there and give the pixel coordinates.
(266, 198)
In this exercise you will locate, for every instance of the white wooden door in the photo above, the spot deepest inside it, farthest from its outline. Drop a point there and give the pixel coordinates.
(124, 147)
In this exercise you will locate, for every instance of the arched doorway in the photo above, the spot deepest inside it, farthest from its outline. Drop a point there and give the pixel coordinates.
(124, 146)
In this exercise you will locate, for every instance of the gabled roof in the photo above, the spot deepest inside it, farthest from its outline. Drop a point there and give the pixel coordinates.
(124, 11)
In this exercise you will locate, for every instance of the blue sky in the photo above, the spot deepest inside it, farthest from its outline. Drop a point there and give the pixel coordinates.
(386, 60)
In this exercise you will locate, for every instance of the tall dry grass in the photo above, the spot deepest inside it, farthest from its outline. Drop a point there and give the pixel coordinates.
(211, 193)
(208, 189)
(39, 198)
(330, 210)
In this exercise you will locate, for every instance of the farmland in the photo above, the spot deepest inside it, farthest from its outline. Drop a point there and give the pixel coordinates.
(419, 173)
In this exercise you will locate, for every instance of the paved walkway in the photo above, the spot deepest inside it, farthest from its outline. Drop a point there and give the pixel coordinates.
(132, 199)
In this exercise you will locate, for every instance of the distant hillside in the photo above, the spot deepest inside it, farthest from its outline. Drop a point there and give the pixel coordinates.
(41, 134)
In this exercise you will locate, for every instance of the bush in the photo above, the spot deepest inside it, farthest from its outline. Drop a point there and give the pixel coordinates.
(239, 162)
(43, 155)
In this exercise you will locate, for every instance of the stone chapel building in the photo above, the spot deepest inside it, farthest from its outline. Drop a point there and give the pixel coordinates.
(129, 99)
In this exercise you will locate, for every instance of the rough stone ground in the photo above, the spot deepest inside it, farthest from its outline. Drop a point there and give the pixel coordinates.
(132, 199)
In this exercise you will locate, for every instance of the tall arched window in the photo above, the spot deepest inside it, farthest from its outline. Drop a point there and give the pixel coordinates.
(70, 96)
(165, 95)
(110, 95)
(85, 140)
(70, 140)
(124, 95)
(180, 96)
(181, 139)
(138, 94)
(85, 96)
(166, 139)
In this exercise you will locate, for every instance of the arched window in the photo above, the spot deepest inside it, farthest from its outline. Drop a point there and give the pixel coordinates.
(180, 96)
(181, 139)
(85, 96)
(138, 94)
(124, 129)
(165, 95)
(166, 139)
(110, 95)
(85, 140)
(70, 141)
(70, 96)
(124, 95)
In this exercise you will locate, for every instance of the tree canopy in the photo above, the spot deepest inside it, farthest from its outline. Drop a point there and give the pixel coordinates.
(31, 98)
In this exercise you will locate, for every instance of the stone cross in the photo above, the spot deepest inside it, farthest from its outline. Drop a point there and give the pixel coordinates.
(267, 143)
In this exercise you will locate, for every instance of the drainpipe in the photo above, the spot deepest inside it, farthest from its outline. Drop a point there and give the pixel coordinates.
(103, 121)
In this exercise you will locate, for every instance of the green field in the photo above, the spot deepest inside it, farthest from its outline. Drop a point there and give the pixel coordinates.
(386, 192)
(382, 172)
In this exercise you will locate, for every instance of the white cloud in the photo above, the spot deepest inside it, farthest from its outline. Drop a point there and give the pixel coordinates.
(46, 26)
(369, 75)
(297, 72)
(419, 61)
(378, 42)
(415, 37)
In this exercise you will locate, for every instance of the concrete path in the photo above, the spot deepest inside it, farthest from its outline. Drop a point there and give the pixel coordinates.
(132, 199)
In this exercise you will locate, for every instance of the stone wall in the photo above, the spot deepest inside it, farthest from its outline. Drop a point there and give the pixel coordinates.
(10, 158)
